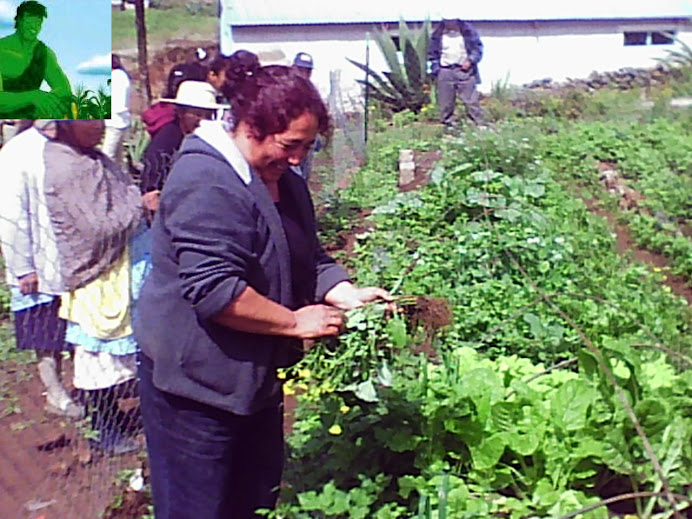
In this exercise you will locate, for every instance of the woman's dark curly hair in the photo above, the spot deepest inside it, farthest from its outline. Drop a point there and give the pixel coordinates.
(268, 98)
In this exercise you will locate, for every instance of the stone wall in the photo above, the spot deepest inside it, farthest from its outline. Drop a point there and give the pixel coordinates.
(623, 79)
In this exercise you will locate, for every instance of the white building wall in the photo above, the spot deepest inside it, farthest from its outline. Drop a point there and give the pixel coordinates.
(524, 59)
(329, 53)
(516, 52)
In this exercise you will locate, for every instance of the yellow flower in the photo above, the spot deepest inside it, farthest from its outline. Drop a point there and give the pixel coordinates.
(304, 373)
(344, 409)
(657, 269)
(335, 429)
(281, 375)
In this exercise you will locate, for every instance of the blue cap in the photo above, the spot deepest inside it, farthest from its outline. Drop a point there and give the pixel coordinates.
(303, 59)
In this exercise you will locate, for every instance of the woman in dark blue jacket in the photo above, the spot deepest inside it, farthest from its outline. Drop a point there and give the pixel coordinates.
(239, 280)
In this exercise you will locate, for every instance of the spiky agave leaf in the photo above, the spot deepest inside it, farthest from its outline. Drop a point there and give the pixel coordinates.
(381, 83)
(396, 103)
(404, 84)
(404, 36)
(390, 53)
(421, 45)
(399, 84)
(418, 40)
(681, 57)
(412, 66)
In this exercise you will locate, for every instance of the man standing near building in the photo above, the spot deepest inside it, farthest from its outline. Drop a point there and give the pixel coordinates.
(454, 52)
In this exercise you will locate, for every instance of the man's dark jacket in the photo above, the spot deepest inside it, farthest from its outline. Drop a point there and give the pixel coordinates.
(474, 47)
(159, 156)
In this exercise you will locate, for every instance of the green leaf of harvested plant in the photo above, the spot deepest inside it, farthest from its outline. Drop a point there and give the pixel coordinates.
(396, 329)
(384, 375)
(366, 391)
(534, 189)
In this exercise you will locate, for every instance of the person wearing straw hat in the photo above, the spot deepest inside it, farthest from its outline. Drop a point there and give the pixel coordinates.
(160, 114)
(454, 53)
(194, 101)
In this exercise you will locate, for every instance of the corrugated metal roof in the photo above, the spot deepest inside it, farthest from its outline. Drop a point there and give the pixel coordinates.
(282, 12)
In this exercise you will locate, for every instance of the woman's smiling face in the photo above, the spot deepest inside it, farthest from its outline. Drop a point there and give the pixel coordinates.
(272, 156)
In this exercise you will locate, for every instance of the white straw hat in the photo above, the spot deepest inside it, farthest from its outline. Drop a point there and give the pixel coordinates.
(199, 94)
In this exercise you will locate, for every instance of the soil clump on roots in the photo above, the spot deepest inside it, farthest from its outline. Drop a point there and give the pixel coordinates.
(431, 314)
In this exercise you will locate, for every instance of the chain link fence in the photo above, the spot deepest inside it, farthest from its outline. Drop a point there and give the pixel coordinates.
(70, 429)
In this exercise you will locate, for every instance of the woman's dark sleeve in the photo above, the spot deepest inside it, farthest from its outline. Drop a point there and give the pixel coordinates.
(211, 230)
(158, 158)
(329, 273)
(150, 164)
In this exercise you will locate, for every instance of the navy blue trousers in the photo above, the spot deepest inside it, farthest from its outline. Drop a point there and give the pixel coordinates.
(205, 462)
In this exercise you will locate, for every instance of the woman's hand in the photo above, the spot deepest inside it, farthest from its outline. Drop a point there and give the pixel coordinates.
(318, 321)
(346, 296)
(151, 199)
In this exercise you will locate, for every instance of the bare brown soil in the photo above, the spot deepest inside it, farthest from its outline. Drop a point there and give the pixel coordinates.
(46, 468)
(160, 63)
(630, 200)
(425, 162)
(626, 244)
(133, 505)
(431, 314)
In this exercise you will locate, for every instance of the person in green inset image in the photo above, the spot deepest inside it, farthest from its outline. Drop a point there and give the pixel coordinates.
(25, 62)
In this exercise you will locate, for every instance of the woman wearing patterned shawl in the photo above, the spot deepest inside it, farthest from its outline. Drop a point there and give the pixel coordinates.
(97, 217)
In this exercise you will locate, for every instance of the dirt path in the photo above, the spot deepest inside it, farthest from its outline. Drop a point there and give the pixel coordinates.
(626, 244)
(46, 471)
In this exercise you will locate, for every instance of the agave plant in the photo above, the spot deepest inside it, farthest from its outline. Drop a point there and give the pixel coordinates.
(405, 85)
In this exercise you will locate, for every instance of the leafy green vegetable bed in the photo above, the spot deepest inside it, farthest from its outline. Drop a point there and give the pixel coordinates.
(558, 352)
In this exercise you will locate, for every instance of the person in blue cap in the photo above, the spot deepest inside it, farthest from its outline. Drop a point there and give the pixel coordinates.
(303, 63)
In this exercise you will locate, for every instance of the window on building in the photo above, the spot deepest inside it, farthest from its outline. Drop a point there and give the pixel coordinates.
(636, 38)
(663, 38)
(649, 37)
